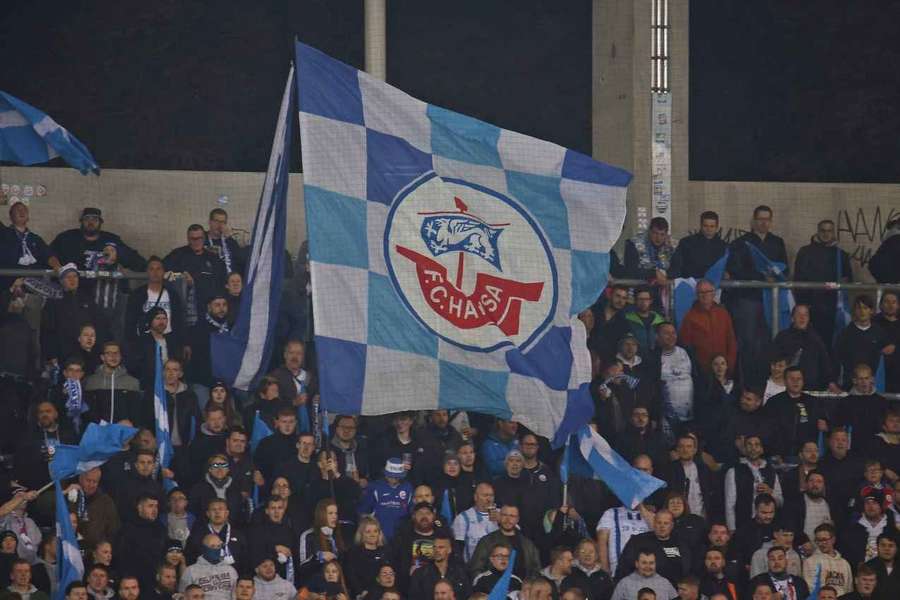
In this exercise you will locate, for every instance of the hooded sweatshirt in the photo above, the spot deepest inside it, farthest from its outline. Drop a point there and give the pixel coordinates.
(835, 572)
(217, 580)
(113, 396)
(277, 589)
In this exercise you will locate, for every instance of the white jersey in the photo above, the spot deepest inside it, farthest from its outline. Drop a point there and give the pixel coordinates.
(469, 527)
(621, 523)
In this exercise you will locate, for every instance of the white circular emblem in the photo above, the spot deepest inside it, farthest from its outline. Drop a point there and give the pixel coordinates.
(542, 477)
(471, 264)
(402, 495)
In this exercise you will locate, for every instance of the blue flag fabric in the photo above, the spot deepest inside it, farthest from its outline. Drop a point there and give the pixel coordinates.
(241, 356)
(98, 444)
(686, 288)
(842, 313)
(69, 564)
(260, 432)
(29, 136)
(879, 376)
(765, 266)
(449, 257)
(446, 509)
(629, 485)
(817, 584)
(501, 588)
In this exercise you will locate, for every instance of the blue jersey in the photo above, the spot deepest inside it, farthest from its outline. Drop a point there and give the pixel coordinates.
(388, 504)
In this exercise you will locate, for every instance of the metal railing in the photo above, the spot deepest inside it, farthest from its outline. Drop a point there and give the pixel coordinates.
(774, 286)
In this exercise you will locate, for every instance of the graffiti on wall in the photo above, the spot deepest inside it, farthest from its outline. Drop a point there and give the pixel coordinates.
(860, 231)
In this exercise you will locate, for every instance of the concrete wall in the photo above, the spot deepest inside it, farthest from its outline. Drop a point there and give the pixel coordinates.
(150, 209)
(622, 125)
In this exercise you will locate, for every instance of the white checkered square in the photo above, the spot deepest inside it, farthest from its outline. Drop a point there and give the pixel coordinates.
(581, 356)
(519, 152)
(486, 361)
(489, 177)
(386, 367)
(339, 161)
(564, 278)
(376, 219)
(388, 110)
(596, 214)
(344, 290)
(533, 404)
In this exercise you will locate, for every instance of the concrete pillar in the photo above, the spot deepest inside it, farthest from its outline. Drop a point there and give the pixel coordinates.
(376, 38)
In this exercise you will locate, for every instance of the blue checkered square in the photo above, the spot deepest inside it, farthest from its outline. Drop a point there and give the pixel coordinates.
(463, 138)
(541, 197)
(466, 388)
(391, 325)
(342, 371)
(392, 163)
(327, 87)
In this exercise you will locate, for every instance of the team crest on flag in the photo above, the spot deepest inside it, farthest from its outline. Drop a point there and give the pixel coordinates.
(477, 272)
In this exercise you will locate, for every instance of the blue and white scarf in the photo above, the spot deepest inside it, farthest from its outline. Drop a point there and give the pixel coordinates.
(75, 404)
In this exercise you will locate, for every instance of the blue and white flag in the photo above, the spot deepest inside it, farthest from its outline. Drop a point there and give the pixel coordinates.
(449, 257)
(447, 508)
(880, 382)
(98, 444)
(241, 356)
(501, 588)
(164, 450)
(629, 485)
(817, 584)
(69, 564)
(766, 266)
(686, 288)
(28, 137)
(842, 316)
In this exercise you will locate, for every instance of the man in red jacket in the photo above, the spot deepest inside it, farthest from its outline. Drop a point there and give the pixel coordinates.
(707, 329)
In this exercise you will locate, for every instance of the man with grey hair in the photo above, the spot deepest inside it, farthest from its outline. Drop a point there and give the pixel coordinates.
(644, 576)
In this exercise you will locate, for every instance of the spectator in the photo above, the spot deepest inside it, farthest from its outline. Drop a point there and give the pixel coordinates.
(616, 528)
(211, 572)
(217, 483)
(213, 322)
(97, 579)
(278, 447)
(350, 449)
(473, 524)
(559, 568)
(789, 586)
(714, 580)
(745, 305)
(885, 446)
(826, 564)
(648, 255)
(859, 540)
(220, 242)
(210, 440)
(203, 272)
(698, 252)
(820, 261)
(761, 529)
(388, 499)
(707, 330)
(266, 402)
(807, 350)
(297, 470)
(689, 528)
(716, 410)
(783, 537)
(439, 569)
(883, 264)
(884, 565)
(177, 520)
(295, 384)
(679, 379)
(270, 534)
(863, 410)
(497, 445)
(328, 482)
(141, 542)
(20, 583)
(220, 395)
(527, 556)
(324, 541)
(751, 478)
(689, 476)
(85, 246)
(21, 248)
(842, 471)
(586, 572)
(269, 585)
(414, 546)
(111, 393)
(643, 321)
(235, 545)
(97, 513)
(812, 508)
(865, 584)
(498, 555)
(609, 322)
(888, 320)
(775, 382)
(62, 318)
(644, 575)
(862, 341)
(166, 584)
(141, 357)
(798, 415)
(156, 293)
(673, 557)
(366, 555)
(234, 285)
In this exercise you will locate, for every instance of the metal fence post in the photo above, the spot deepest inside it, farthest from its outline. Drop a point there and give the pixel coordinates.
(776, 313)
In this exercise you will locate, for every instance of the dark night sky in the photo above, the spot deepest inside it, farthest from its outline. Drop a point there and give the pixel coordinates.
(196, 85)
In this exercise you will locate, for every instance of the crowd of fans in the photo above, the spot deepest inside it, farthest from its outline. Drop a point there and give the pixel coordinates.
(770, 491)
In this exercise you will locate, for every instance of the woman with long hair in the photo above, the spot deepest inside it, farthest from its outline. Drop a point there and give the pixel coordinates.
(220, 395)
(366, 555)
(329, 584)
(323, 542)
(714, 411)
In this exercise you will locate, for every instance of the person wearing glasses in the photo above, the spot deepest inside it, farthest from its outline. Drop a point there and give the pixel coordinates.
(203, 272)
(498, 562)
